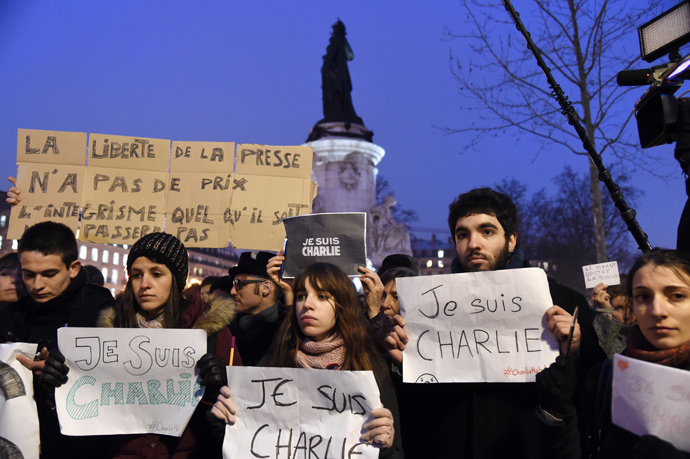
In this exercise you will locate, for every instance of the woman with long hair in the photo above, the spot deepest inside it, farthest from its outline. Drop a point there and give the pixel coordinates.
(326, 329)
(157, 267)
(659, 286)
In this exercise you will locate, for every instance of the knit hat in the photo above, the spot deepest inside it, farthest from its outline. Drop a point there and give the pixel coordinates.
(163, 248)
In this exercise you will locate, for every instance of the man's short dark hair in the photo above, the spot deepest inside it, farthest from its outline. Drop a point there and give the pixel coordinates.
(484, 201)
(50, 238)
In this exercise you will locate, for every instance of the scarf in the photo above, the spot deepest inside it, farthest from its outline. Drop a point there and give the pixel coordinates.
(639, 348)
(328, 353)
(156, 322)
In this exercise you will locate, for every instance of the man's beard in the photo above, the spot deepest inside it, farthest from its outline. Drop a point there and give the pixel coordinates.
(499, 260)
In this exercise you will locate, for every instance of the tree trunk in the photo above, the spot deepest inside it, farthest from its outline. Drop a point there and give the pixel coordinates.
(597, 213)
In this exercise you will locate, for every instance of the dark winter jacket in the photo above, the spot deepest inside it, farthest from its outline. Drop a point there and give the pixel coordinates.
(197, 439)
(31, 322)
(483, 420)
(255, 332)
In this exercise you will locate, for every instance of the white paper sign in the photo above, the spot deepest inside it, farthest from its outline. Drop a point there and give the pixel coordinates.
(129, 380)
(300, 413)
(652, 399)
(476, 327)
(18, 417)
(606, 273)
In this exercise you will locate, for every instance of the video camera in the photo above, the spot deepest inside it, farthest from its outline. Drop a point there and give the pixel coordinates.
(661, 117)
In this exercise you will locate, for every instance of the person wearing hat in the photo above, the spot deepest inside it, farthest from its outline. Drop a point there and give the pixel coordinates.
(157, 268)
(259, 307)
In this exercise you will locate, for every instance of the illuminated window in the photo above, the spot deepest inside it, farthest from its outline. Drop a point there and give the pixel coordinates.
(116, 258)
(429, 263)
(94, 254)
(114, 277)
(104, 257)
(0, 241)
(440, 263)
(15, 244)
(124, 259)
(104, 271)
(440, 253)
(3, 220)
(82, 252)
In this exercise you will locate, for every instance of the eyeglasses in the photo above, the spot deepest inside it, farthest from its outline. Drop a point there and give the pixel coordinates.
(239, 283)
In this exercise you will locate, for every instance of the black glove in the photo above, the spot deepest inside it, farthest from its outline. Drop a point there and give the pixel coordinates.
(651, 447)
(212, 371)
(555, 387)
(54, 374)
(216, 426)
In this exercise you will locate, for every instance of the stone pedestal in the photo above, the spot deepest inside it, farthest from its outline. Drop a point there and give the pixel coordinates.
(345, 170)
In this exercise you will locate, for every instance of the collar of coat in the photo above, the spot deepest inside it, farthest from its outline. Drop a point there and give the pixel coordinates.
(218, 314)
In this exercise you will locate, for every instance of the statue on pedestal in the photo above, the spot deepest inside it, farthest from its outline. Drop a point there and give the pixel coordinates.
(386, 236)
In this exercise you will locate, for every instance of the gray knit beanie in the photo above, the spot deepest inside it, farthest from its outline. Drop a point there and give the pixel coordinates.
(163, 248)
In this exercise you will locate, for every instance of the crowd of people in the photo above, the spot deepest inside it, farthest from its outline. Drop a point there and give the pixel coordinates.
(254, 317)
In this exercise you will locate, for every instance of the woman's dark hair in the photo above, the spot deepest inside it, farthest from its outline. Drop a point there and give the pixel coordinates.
(10, 260)
(678, 262)
(350, 323)
(172, 313)
(395, 273)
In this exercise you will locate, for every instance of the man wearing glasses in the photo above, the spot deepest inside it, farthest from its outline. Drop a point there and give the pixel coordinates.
(258, 306)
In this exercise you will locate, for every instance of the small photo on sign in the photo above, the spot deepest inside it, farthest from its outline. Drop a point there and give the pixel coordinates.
(336, 238)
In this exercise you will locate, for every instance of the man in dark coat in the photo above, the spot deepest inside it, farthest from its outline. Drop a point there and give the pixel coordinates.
(486, 420)
(258, 306)
(59, 296)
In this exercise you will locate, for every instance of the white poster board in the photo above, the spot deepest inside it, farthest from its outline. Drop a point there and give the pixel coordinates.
(651, 399)
(18, 416)
(129, 380)
(606, 273)
(300, 413)
(476, 327)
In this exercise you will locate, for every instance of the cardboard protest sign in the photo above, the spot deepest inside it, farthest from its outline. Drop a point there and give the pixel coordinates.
(132, 186)
(476, 327)
(649, 398)
(19, 435)
(50, 172)
(606, 273)
(270, 184)
(129, 380)
(49, 192)
(127, 152)
(122, 205)
(297, 412)
(51, 147)
(337, 238)
(199, 192)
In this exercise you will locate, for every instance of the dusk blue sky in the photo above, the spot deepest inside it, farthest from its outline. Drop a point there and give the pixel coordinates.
(249, 72)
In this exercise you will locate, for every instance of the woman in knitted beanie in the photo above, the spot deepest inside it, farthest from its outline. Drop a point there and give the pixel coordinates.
(327, 329)
(659, 285)
(157, 266)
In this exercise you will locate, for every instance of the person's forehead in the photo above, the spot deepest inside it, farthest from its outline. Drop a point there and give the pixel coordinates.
(37, 262)
(145, 263)
(476, 220)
